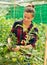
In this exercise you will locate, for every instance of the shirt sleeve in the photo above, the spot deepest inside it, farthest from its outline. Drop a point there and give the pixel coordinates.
(34, 37)
(17, 30)
(13, 29)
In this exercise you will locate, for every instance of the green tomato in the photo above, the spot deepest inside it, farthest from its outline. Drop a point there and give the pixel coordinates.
(14, 59)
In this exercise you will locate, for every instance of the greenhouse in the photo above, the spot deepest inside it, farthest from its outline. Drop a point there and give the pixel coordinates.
(12, 11)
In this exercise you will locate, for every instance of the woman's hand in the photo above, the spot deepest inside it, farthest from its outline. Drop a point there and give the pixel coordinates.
(16, 49)
(23, 42)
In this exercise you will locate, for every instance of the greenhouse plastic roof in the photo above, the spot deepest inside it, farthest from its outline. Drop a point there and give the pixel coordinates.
(21, 0)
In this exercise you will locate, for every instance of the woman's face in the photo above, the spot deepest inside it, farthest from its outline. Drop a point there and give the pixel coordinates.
(28, 17)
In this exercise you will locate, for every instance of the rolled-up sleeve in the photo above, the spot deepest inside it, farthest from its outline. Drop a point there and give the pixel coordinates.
(34, 37)
(13, 30)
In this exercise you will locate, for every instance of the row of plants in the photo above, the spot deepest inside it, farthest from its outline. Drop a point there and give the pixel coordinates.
(8, 57)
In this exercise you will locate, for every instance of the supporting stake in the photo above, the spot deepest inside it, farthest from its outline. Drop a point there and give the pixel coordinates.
(45, 58)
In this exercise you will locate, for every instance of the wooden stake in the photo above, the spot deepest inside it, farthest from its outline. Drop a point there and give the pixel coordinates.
(45, 58)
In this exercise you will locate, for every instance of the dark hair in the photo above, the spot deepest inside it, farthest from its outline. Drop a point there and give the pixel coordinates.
(30, 9)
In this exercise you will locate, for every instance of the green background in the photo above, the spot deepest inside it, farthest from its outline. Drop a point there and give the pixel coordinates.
(40, 14)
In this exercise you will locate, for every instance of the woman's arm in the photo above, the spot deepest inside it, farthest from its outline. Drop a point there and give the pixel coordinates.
(19, 47)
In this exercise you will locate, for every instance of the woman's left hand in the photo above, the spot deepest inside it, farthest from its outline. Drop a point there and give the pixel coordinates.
(16, 49)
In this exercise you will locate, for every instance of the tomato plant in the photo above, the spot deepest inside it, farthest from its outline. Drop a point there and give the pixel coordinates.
(8, 57)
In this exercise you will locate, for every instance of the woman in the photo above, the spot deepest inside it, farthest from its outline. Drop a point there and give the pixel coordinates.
(22, 28)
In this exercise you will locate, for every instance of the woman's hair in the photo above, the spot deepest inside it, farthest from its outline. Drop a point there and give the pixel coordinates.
(30, 9)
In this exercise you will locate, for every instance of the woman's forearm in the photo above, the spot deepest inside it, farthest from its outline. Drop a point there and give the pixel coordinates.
(19, 47)
(26, 47)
